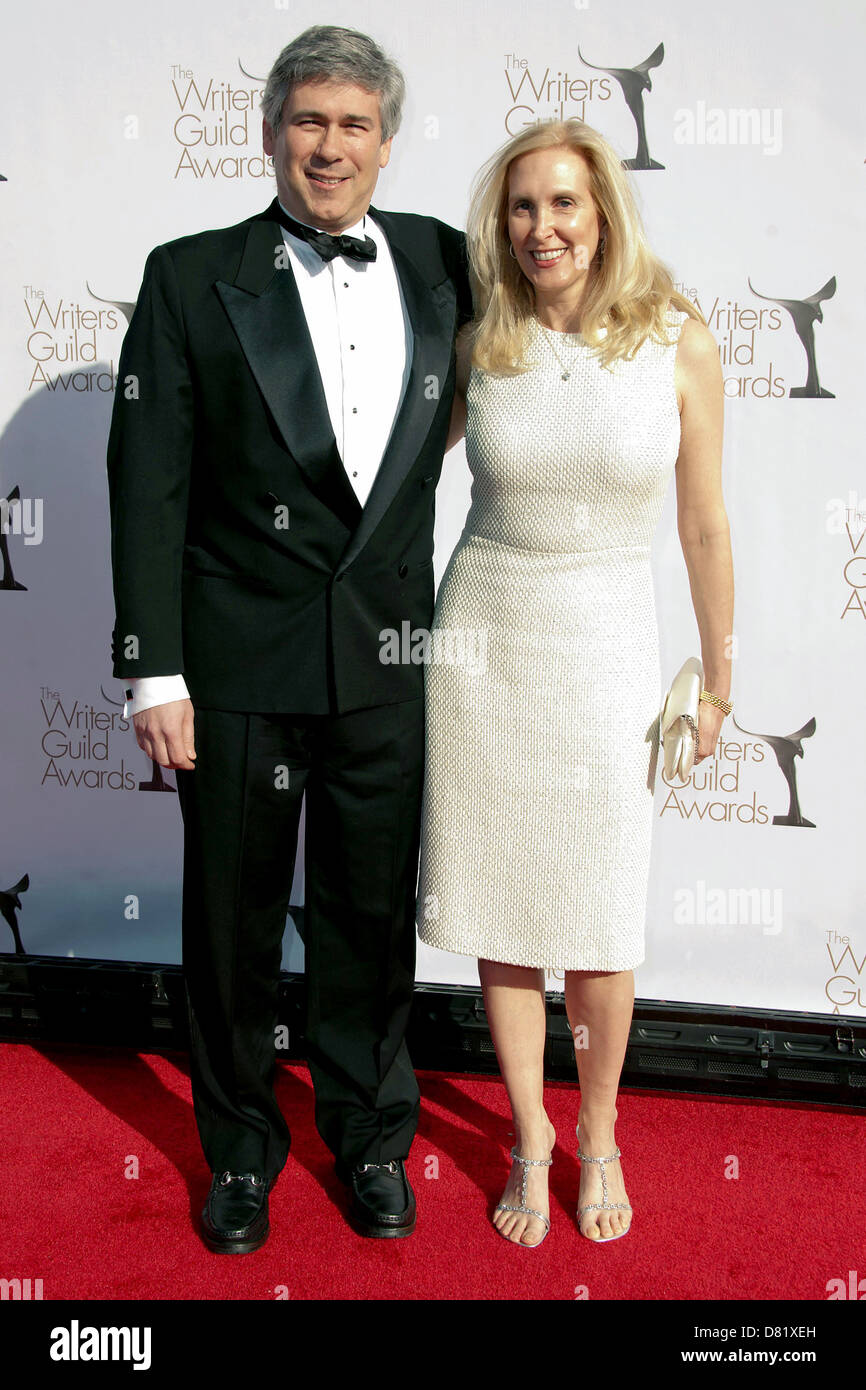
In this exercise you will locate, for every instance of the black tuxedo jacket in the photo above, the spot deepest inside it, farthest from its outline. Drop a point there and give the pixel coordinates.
(219, 424)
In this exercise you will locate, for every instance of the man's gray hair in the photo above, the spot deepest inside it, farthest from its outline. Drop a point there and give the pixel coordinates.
(326, 51)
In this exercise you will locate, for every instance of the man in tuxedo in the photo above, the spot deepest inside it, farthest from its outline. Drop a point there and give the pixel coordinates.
(282, 409)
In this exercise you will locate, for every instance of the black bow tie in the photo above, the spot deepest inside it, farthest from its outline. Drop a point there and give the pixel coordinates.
(330, 246)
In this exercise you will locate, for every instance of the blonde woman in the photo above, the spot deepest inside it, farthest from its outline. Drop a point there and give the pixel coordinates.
(585, 380)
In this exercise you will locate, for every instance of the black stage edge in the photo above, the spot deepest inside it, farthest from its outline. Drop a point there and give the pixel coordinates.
(704, 1049)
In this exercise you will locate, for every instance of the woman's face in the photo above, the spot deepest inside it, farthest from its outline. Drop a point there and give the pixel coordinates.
(553, 222)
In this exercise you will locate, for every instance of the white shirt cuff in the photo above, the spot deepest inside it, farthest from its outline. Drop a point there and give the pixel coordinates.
(144, 691)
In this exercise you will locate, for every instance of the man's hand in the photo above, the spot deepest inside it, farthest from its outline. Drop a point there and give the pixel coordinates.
(165, 733)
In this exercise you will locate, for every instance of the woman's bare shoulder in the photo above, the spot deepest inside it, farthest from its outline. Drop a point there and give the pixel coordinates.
(696, 343)
(697, 366)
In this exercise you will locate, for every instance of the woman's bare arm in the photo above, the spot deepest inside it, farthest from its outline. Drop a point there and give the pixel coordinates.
(702, 521)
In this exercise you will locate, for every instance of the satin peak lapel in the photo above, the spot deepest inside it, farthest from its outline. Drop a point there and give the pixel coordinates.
(266, 312)
(432, 313)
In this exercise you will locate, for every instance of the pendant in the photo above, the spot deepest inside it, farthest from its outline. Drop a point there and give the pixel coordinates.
(566, 375)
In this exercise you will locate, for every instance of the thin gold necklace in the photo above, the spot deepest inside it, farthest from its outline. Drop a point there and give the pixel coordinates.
(566, 371)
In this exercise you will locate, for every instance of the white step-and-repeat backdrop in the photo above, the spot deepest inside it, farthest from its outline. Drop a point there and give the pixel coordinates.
(127, 125)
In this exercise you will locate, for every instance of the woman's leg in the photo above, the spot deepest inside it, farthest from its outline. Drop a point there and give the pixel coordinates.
(599, 1006)
(514, 1002)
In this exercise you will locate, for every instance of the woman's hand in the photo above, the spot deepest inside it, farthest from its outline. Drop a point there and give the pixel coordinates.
(710, 720)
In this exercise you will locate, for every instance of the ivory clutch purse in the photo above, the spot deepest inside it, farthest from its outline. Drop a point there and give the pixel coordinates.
(678, 722)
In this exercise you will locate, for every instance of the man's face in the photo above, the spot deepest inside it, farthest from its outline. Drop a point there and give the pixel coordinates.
(327, 153)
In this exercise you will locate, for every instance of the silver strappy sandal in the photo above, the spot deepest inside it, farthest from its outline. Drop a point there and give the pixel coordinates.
(527, 1211)
(604, 1204)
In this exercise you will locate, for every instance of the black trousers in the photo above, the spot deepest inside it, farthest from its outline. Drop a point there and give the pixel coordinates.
(362, 774)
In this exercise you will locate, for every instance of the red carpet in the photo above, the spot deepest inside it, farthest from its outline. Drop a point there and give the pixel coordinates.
(76, 1119)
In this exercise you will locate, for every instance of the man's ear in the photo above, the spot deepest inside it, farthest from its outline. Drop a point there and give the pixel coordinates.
(385, 152)
(267, 137)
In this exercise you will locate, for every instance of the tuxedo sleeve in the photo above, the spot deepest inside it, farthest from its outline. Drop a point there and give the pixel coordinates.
(143, 692)
(149, 466)
(465, 311)
(455, 256)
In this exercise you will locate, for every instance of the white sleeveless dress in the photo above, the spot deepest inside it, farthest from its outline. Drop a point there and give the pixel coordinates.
(543, 683)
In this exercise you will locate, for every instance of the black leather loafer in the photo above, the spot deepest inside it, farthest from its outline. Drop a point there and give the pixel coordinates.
(383, 1203)
(235, 1215)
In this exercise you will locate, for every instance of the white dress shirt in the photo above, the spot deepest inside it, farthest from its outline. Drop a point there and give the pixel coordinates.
(362, 338)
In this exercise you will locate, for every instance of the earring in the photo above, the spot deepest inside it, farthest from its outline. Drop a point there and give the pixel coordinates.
(511, 251)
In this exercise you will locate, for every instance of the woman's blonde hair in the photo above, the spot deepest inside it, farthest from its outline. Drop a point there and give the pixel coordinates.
(629, 289)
